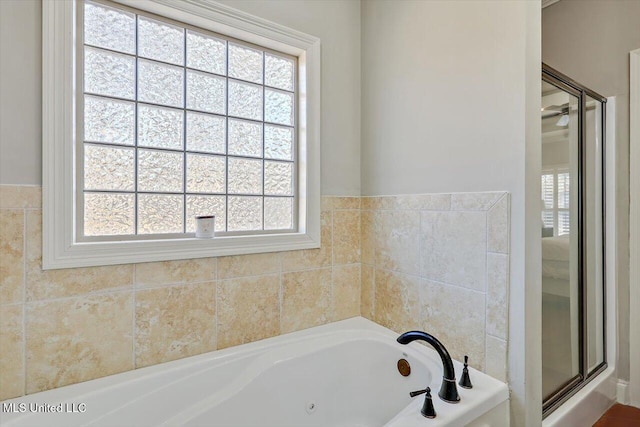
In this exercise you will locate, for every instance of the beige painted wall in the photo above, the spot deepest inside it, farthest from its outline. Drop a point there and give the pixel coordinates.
(451, 102)
(590, 41)
(20, 140)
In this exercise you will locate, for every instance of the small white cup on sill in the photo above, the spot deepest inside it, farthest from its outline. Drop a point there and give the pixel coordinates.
(205, 226)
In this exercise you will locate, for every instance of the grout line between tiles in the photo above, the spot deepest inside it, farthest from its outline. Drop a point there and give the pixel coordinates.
(215, 315)
(498, 201)
(253, 276)
(169, 285)
(360, 257)
(333, 262)
(24, 349)
(421, 254)
(24, 301)
(497, 253)
(134, 327)
(135, 275)
(280, 300)
(374, 295)
(440, 282)
(87, 294)
(505, 340)
(486, 284)
(332, 307)
(315, 268)
(216, 284)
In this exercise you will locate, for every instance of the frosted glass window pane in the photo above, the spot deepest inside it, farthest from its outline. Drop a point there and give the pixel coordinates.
(278, 213)
(278, 107)
(205, 132)
(157, 40)
(159, 127)
(245, 63)
(109, 120)
(159, 171)
(206, 92)
(245, 213)
(245, 100)
(107, 214)
(108, 73)
(245, 138)
(247, 116)
(206, 53)
(160, 83)
(108, 168)
(160, 213)
(278, 178)
(109, 28)
(245, 176)
(205, 174)
(278, 72)
(278, 142)
(206, 205)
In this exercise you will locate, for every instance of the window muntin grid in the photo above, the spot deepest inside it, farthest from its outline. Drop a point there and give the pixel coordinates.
(186, 166)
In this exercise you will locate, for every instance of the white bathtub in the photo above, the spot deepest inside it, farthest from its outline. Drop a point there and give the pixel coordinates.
(341, 374)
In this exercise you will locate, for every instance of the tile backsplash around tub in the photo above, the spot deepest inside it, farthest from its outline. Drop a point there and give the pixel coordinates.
(440, 263)
(434, 262)
(60, 327)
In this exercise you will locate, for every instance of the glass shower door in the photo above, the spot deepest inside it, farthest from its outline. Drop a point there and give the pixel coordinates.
(561, 351)
(572, 222)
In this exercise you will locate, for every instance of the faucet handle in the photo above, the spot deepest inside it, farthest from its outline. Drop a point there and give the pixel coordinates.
(465, 381)
(428, 410)
(418, 392)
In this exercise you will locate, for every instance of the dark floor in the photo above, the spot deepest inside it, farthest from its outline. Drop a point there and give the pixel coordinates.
(620, 416)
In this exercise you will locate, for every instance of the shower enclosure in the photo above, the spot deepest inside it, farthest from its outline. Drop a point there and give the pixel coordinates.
(572, 233)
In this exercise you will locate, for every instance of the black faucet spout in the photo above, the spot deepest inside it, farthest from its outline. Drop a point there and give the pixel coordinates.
(448, 391)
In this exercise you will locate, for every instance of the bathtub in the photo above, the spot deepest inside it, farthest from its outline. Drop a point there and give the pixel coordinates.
(341, 374)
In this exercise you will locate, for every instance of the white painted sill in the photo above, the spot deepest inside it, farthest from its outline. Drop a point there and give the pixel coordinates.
(109, 253)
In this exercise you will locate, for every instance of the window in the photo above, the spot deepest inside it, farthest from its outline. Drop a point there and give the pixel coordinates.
(179, 111)
(555, 195)
(180, 122)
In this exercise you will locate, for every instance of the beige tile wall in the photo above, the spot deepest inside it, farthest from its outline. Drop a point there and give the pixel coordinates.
(439, 263)
(61, 327)
(433, 262)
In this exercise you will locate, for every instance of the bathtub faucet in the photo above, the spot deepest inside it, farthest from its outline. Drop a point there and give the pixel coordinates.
(448, 391)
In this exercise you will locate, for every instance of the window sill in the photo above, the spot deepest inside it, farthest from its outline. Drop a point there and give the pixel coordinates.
(120, 252)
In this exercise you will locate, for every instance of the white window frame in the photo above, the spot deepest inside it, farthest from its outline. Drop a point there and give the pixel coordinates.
(61, 248)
